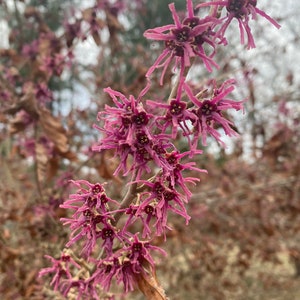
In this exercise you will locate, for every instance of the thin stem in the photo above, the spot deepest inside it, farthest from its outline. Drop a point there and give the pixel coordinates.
(36, 172)
(174, 89)
(18, 18)
(181, 75)
(127, 200)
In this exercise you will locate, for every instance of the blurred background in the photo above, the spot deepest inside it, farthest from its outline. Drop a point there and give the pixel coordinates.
(243, 241)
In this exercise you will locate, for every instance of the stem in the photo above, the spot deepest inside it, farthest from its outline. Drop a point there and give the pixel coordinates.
(127, 200)
(19, 21)
(37, 179)
(180, 75)
(174, 89)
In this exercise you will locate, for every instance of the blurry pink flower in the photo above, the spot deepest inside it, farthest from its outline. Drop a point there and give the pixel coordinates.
(60, 268)
(31, 50)
(240, 10)
(43, 93)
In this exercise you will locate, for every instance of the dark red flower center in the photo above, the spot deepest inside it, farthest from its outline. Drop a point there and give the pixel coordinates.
(191, 22)
(170, 45)
(158, 188)
(97, 188)
(87, 213)
(182, 34)
(159, 149)
(103, 198)
(149, 209)
(98, 219)
(107, 233)
(140, 119)
(171, 158)
(235, 5)
(240, 7)
(65, 257)
(126, 122)
(168, 196)
(62, 272)
(178, 50)
(200, 39)
(108, 268)
(207, 108)
(91, 201)
(142, 138)
(177, 107)
(131, 211)
(137, 247)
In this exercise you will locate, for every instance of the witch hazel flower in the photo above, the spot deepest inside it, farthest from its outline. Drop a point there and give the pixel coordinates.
(84, 227)
(151, 214)
(139, 252)
(153, 205)
(83, 288)
(31, 50)
(175, 177)
(148, 218)
(60, 268)
(121, 122)
(128, 130)
(91, 196)
(105, 272)
(241, 10)
(78, 284)
(91, 219)
(125, 265)
(183, 41)
(209, 115)
(176, 115)
(163, 199)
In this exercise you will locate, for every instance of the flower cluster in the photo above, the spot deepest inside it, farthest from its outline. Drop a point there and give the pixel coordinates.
(93, 213)
(185, 40)
(193, 36)
(125, 265)
(142, 133)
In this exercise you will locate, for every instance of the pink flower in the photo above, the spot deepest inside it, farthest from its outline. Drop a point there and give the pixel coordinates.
(91, 196)
(139, 252)
(60, 268)
(55, 64)
(240, 10)
(183, 41)
(126, 274)
(108, 234)
(79, 284)
(209, 114)
(163, 199)
(43, 93)
(175, 177)
(125, 264)
(176, 115)
(91, 218)
(150, 213)
(105, 272)
(72, 31)
(128, 129)
(31, 50)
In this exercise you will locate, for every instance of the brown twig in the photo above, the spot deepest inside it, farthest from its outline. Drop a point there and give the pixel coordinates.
(127, 200)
